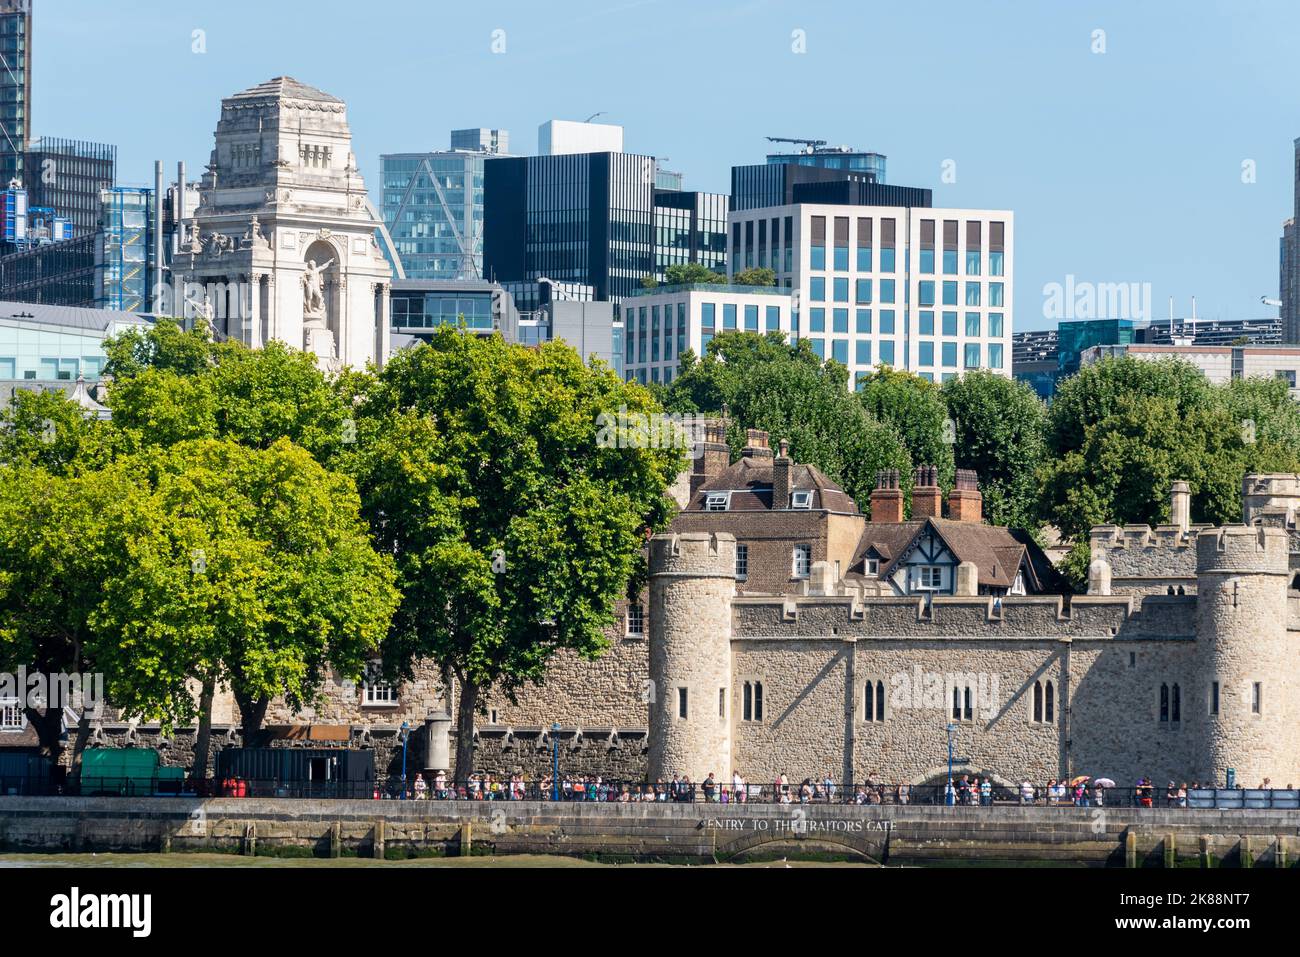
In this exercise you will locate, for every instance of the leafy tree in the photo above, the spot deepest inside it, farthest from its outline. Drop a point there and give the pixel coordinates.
(163, 345)
(999, 431)
(48, 430)
(680, 273)
(755, 276)
(763, 383)
(649, 282)
(515, 529)
(916, 409)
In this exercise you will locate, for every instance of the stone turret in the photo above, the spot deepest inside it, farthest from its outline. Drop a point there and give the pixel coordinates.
(692, 583)
(1247, 656)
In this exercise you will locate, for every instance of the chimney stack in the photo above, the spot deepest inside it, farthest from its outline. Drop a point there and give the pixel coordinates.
(1180, 505)
(965, 504)
(712, 455)
(927, 498)
(887, 499)
(756, 445)
(781, 477)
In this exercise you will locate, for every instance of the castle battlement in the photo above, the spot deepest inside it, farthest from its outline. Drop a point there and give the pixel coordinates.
(1243, 550)
(1111, 537)
(695, 554)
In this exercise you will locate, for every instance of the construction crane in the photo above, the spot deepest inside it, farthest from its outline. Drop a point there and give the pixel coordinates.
(810, 144)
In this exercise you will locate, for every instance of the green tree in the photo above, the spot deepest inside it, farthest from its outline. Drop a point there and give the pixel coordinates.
(916, 409)
(764, 383)
(48, 430)
(755, 276)
(483, 470)
(680, 273)
(999, 426)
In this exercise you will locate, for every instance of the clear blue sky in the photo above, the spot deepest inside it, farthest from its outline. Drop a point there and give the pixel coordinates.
(1121, 166)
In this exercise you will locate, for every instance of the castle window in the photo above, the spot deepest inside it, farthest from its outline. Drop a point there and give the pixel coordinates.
(1171, 702)
(635, 620)
(681, 702)
(929, 577)
(722, 702)
(11, 715)
(802, 561)
(1045, 702)
(1132, 659)
(873, 567)
(874, 701)
(742, 561)
(1257, 698)
(717, 501)
(752, 701)
(963, 703)
(1214, 697)
(378, 694)
(801, 499)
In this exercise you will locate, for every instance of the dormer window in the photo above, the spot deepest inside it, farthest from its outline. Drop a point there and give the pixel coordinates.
(873, 567)
(1018, 586)
(717, 501)
(801, 499)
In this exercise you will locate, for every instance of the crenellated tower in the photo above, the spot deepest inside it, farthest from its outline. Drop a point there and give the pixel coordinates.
(692, 583)
(1247, 655)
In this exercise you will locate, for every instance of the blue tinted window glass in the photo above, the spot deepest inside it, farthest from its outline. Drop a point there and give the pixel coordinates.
(887, 352)
(817, 289)
(995, 294)
(728, 315)
(841, 289)
(926, 321)
(863, 352)
(925, 353)
(949, 262)
(972, 262)
(925, 293)
(819, 347)
(839, 320)
(863, 290)
(841, 258)
(950, 354)
(972, 355)
(995, 264)
(995, 355)
(773, 318)
(887, 260)
(886, 321)
(751, 318)
(886, 290)
(818, 257)
(817, 320)
(972, 294)
(864, 259)
(972, 323)
(840, 351)
(950, 323)
(949, 293)
(707, 311)
(863, 320)
(927, 261)
(995, 324)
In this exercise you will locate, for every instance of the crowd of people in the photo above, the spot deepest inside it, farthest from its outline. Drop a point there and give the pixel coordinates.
(965, 790)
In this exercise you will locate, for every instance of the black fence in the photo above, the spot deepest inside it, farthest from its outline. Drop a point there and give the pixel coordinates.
(593, 790)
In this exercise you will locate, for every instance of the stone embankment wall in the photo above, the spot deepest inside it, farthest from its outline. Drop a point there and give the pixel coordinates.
(696, 833)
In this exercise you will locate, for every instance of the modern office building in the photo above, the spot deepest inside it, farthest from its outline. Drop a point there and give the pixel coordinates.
(660, 324)
(60, 274)
(557, 137)
(69, 176)
(1034, 360)
(433, 205)
(916, 288)
(690, 227)
(420, 306)
(51, 344)
(782, 184)
(1221, 364)
(834, 157)
(125, 263)
(594, 219)
(15, 88)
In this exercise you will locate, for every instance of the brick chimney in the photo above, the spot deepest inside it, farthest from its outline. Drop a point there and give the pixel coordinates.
(927, 497)
(965, 504)
(756, 446)
(887, 499)
(712, 455)
(781, 477)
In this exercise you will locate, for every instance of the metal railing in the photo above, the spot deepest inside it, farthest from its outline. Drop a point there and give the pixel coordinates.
(593, 790)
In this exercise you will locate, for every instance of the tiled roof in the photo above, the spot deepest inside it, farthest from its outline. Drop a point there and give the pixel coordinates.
(750, 482)
(996, 552)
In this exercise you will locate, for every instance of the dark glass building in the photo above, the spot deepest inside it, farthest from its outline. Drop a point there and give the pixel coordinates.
(835, 157)
(59, 274)
(758, 186)
(69, 177)
(579, 217)
(690, 228)
(15, 87)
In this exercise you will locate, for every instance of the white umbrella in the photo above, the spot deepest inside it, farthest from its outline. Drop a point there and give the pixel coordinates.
(1103, 783)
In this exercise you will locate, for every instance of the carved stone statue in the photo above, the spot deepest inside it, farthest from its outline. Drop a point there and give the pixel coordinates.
(196, 239)
(313, 290)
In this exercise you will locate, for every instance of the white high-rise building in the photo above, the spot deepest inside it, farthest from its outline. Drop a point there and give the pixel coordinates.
(916, 288)
(569, 136)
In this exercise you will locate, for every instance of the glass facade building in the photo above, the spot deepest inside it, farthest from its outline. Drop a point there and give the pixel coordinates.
(690, 228)
(15, 87)
(841, 158)
(55, 273)
(433, 206)
(126, 244)
(70, 176)
(54, 343)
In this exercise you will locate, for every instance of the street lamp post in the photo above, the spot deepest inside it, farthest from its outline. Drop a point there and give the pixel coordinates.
(949, 795)
(406, 736)
(555, 761)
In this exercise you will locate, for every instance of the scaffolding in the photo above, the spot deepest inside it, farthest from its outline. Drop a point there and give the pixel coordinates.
(125, 232)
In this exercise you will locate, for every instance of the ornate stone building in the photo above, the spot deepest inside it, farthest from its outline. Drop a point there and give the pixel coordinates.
(282, 245)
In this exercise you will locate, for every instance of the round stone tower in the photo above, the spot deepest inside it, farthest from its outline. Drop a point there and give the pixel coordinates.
(692, 583)
(1248, 660)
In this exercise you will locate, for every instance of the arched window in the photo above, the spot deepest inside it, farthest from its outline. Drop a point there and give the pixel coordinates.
(1176, 704)
(1049, 697)
(874, 701)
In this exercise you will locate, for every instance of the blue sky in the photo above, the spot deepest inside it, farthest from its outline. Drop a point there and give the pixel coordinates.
(1122, 166)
